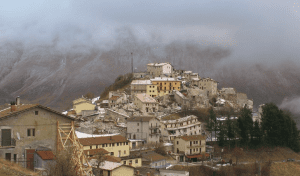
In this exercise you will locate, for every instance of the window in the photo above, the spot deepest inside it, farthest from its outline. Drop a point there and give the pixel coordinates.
(124, 152)
(91, 147)
(96, 146)
(130, 161)
(138, 130)
(200, 150)
(36, 112)
(113, 144)
(177, 142)
(138, 124)
(15, 158)
(118, 144)
(124, 162)
(126, 143)
(103, 145)
(31, 132)
(111, 153)
(136, 161)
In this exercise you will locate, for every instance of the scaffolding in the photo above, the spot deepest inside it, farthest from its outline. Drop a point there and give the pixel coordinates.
(66, 137)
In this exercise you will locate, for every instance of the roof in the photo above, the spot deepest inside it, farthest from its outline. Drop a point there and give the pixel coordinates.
(95, 151)
(46, 155)
(193, 137)
(154, 157)
(157, 64)
(187, 72)
(26, 107)
(112, 158)
(141, 82)
(140, 119)
(102, 140)
(145, 98)
(85, 135)
(114, 98)
(163, 79)
(197, 156)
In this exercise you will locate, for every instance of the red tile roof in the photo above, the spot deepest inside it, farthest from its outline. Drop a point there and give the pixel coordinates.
(95, 151)
(102, 140)
(197, 156)
(154, 157)
(26, 107)
(46, 155)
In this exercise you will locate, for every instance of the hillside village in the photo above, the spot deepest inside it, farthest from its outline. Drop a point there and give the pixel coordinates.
(141, 129)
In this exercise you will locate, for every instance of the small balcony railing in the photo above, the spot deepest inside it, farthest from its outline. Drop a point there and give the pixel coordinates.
(154, 127)
(8, 143)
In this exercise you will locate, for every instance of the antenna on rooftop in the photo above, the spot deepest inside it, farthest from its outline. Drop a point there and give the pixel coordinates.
(131, 63)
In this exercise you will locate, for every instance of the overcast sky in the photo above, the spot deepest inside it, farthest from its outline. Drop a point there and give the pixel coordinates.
(261, 31)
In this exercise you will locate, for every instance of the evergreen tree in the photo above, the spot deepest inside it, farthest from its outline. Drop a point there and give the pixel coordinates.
(211, 124)
(222, 134)
(256, 133)
(245, 124)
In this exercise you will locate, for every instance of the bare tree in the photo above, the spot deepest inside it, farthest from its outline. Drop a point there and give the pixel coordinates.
(160, 149)
(99, 159)
(89, 95)
(63, 164)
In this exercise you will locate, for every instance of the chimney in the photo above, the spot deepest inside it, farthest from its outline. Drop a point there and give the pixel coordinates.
(18, 100)
(13, 107)
(148, 173)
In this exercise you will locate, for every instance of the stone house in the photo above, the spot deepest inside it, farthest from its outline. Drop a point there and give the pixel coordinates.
(116, 146)
(43, 158)
(25, 127)
(82, 104)
(192, 147)
(181, 99)
(145, 103)
(109, 168)
(159, 69)
(144, 128)
(210, 85)
(154, 160)
(184, 126)
(139, 86)
(166, 85)
(187, 75)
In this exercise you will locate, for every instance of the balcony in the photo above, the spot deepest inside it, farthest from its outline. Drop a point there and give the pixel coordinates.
(195, 145)
(8, 143)
(154, 127)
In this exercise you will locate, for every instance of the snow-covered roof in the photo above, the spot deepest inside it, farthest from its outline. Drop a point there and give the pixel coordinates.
(163, 79)
(65, 112)
(168, 144)
(157, 64)
(141, 82)
(95, 99)
(106, 165)
(187, 72)
(145, 98)
(85, 135)
(135, 140)
(183, 119)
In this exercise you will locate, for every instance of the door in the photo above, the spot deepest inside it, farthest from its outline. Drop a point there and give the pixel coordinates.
(30, 158)
(6, 137)
(8, 156)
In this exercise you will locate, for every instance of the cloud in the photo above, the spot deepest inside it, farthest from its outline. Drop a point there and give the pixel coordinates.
(291, 104)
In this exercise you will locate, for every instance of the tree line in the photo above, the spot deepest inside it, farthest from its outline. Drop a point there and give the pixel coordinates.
(277, 128)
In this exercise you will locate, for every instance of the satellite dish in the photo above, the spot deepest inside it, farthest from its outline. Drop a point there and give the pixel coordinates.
(18, 136)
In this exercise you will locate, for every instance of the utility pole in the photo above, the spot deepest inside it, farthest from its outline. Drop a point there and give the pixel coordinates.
(131, 63)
